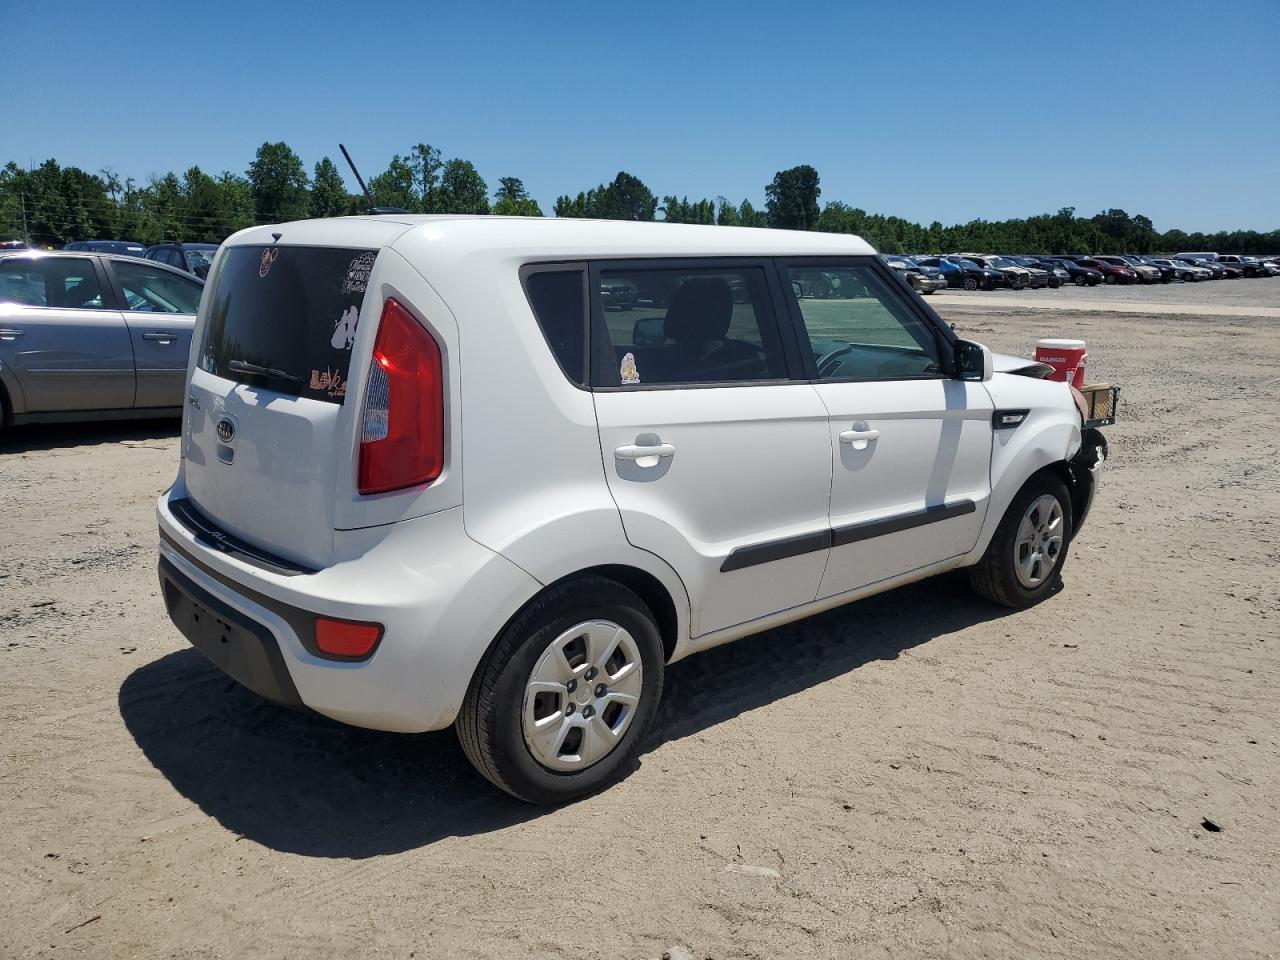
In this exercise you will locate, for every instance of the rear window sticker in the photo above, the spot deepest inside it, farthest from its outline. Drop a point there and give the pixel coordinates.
(268, 258)
(330, 382)
(357, 279)
(344, 331)
(628, 370)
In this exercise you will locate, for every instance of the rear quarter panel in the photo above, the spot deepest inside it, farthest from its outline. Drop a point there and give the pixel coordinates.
(533, 482)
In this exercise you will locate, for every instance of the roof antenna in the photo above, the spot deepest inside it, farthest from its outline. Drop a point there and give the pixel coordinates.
(365, 189)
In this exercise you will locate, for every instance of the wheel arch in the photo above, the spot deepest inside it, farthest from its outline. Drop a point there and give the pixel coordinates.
(12, 401)
(665, 598)
(643, 583)
(649, 589)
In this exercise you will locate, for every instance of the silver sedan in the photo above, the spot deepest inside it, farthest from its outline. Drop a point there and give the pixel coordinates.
(91, 336)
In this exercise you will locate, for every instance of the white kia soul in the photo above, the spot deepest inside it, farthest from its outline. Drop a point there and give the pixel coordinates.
(501, 472)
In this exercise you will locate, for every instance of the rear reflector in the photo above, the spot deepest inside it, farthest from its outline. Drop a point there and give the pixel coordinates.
(402, 425)
(346, 639)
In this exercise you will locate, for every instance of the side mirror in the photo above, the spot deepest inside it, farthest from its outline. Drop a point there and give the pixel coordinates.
(972, 361)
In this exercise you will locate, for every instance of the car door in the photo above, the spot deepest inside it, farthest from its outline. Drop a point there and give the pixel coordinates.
(59, 336)
(718, 461)
(911, 447)
(159, 307)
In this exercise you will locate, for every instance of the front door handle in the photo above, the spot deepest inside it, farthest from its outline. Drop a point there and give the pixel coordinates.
(164, 338)
(859, 438)
(9, 333)
(635, 451)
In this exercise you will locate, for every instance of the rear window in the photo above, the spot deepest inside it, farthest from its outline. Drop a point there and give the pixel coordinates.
(285, 318)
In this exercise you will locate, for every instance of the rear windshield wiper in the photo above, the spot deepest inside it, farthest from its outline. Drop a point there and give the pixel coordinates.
(243, 366)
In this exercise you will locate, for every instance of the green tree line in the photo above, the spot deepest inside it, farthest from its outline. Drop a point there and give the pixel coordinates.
(50, 205)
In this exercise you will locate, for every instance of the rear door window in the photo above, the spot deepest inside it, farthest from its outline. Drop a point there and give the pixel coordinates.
(285, 318)
(684, 325)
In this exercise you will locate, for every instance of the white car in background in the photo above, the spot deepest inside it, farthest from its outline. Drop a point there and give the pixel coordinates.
(492, 502)
(1191, 270)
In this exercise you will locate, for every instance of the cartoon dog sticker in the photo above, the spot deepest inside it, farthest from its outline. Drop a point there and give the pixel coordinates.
(344, 332)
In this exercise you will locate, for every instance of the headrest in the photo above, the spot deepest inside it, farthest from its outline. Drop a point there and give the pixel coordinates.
(700, 311)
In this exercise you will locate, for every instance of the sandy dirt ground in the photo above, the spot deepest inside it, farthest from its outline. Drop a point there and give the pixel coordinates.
(916, 775)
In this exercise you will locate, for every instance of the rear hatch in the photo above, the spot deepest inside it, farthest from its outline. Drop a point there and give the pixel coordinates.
(270, 427)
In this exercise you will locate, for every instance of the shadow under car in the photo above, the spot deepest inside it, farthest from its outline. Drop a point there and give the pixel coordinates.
(301, 783)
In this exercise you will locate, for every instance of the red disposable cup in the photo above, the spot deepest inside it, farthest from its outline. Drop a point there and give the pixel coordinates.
(1067, 357)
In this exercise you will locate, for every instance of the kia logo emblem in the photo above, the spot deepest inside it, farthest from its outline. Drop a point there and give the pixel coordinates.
(226, 430)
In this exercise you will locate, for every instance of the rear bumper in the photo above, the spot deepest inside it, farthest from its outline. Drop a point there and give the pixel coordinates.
(239, 646)
(440, 597)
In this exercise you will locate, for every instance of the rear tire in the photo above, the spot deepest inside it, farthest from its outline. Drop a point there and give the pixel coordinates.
(1008, 574)
(500, 718)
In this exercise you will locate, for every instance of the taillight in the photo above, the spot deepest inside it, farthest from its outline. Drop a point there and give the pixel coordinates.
(346, 639)
(402, 425)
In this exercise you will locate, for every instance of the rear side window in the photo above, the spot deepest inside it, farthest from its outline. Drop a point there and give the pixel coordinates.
(285, 318)
(671, 326)
(558, 301)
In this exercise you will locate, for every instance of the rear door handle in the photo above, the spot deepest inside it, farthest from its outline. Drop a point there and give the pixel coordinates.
(8, 333)
(165, 338)
(859, 439)
(635, 451)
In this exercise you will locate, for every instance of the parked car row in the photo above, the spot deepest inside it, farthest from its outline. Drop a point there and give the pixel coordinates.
(193, 258)
(973, 271)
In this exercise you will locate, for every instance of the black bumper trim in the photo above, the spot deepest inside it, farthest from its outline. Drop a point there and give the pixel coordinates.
(1091, 456)
(302, 622)
(239, 646)
(210, 536)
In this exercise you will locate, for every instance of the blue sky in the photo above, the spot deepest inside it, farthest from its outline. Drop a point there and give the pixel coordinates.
(947, 112)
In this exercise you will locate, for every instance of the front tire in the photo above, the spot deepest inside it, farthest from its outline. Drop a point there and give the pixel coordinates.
(971, 283)
(560, 705)
(1023, 563)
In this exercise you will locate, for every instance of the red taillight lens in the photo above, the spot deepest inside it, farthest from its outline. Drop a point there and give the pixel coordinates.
(402, 426)
(347, 639)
